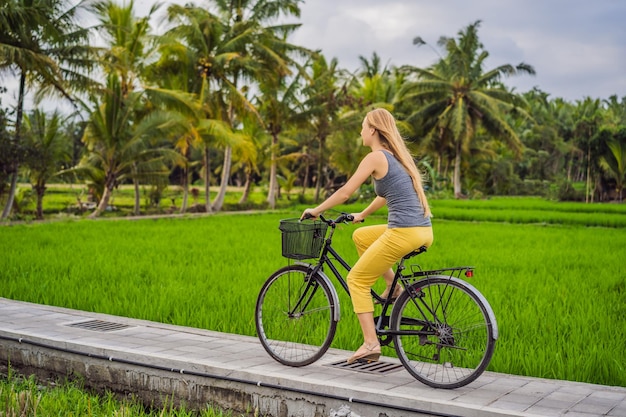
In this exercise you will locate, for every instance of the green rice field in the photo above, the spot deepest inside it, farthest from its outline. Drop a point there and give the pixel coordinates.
(20, 396)
(554, 274)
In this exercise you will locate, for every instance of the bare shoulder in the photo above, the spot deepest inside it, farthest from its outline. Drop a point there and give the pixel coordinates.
(376, 158)
(377, 163)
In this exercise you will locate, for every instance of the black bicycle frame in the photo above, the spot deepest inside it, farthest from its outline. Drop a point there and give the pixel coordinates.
(325, 259)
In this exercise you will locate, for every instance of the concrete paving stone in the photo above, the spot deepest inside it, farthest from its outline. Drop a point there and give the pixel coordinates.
(274, 367)
(609, 395)
(618, 411)
(537, 388)
(400, 381)
(223, 344)
(595, 404)
(228, 348)
(426, 392)
(480, 397)
(180, 354)
(250, 363)
(153, 349)
(548, 407)
(501, 386)
(505, 404)
(576, 388)
(192, 348)
(566, 397)
(146, 336)
(523, 399)
(544, 411)
(167, 345)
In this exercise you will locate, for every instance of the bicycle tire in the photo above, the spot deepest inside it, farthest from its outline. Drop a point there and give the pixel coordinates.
(295, 335)
(453, 346)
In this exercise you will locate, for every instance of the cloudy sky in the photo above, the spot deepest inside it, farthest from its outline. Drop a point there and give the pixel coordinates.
(577, 47)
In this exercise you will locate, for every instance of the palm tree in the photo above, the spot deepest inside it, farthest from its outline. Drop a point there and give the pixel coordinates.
(249, 157)
(7, 150)
(617, 109)
(48, 150)
(44, 46)
(544, 137)
(325, 95)
(118, 140)
(130, 45)
(279, 107)
(589, 117)
(197, 44)
(263, 53)
(456, 95)
(376, 86)
(613, 160)
(176, 70)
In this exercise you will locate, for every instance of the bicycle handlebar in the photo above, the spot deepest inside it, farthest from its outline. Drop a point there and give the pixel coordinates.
(343, 218)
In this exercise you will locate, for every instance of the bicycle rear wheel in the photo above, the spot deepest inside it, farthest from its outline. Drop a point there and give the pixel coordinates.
(446, 337)
(295, 316)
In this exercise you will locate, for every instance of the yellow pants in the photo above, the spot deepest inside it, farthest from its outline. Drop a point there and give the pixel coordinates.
(379, 248)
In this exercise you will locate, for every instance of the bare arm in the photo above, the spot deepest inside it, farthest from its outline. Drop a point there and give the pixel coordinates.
(369, 166)
(374, 206)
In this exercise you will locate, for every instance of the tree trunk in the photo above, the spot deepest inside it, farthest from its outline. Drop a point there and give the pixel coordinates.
(588, 183)
(207, 178)
(569, 166)
(12, 190)
(137, 208)
(106, 196)
(273, 185)
(307, 173)
(40, 190)
(185, 185)
(320, 170)
(228, 158)
(246, 189)
(457, 172)
(18, 129)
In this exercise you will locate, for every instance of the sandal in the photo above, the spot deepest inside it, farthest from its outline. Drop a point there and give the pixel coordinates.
(366, 353)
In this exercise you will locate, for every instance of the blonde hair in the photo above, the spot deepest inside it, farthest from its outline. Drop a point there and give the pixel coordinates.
(384, 122)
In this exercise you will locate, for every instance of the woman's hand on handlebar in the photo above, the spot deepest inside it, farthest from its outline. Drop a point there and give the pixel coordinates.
(309, 214)
(358, 218)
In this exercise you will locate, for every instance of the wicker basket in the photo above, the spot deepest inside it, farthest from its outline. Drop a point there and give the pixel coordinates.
(302, 240)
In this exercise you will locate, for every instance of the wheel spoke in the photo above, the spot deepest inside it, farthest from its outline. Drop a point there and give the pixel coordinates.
(444, 338)
(295, 316)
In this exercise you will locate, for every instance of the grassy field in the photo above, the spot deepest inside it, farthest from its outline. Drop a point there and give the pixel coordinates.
(28, 397)
(557, 286)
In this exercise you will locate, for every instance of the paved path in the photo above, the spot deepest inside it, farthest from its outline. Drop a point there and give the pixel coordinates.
(236, 356)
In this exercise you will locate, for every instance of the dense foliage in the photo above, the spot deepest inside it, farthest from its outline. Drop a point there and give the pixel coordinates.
(222, 98)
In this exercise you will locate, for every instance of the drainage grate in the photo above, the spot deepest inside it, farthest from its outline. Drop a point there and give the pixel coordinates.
(99, 326)
(380, 368)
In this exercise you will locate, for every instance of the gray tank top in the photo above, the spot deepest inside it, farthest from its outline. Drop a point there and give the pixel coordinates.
(405, 208)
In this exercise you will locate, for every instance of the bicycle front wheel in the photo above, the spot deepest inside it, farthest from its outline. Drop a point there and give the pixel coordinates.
(444, 333)
(295, 316)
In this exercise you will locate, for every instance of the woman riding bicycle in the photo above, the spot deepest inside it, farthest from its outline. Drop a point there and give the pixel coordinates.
(398, 184)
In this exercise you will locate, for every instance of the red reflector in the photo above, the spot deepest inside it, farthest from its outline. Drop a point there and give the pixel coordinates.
(469, 273)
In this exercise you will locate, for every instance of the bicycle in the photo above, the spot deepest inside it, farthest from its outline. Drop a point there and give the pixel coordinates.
(442, 328)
